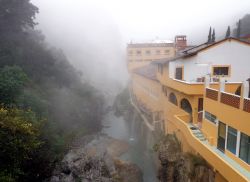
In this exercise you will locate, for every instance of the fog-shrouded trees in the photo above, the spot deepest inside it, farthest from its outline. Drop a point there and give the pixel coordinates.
(228, 33)
(209, 39)
(211, 36)
(17, 15)
(44, 104)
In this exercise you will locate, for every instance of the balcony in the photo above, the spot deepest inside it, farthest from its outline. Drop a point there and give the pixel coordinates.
(231, 170)
(232, 109)
(193, 88)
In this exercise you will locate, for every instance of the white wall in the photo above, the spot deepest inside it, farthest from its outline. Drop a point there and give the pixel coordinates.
(231, 53)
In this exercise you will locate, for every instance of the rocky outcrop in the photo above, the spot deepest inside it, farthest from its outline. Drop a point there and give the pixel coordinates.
(177, 166)
(97, 161)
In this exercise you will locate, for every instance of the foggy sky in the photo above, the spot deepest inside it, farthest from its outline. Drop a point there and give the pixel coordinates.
(94, 33)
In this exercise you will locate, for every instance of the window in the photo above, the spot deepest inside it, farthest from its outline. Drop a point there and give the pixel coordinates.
(138, 52)
(172, 99)
(130, 52)
(158, 52)
(167, 51)
(210, 117)
(245, 148)
(148, 52)
(231, 139)
(179, 73)
(221, 70)
(186, 106)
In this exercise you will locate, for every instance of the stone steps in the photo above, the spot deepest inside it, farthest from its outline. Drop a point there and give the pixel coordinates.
(199, 134)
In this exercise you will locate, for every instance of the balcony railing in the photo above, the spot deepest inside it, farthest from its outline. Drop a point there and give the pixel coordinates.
(246, 106)
(230, 99)
(193, 87)
(212, 94)
(218, 160)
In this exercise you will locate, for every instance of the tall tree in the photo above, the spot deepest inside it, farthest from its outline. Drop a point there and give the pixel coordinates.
(238, 29)
(228, 33)
(209, 35)
(213, 36)
(16, 16)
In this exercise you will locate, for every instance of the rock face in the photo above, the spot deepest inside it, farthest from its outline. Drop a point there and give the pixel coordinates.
(177, 166)
(97, 161)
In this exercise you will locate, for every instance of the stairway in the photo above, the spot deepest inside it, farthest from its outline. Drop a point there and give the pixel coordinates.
(198, 133)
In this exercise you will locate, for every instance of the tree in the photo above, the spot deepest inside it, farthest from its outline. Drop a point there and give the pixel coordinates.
(18, 140)
(209, 35)
(16, 15)
(238, 29)
(12, 80)
(228, 33)
(213, 36)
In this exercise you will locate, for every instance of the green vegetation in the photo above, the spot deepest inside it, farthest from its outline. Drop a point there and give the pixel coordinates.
(44, 105)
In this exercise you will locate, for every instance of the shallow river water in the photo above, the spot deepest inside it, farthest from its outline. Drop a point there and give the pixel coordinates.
(140, 141)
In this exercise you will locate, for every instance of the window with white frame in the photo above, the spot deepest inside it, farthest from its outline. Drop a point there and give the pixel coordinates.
(245, 148)
(231, 139)
(210, 117)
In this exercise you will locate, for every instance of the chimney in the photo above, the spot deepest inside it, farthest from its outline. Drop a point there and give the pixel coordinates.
(180, 42)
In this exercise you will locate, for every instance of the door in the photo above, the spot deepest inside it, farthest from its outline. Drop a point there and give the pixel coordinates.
(221, 137)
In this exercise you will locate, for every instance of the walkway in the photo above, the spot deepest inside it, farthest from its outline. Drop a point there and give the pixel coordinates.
(196, 131)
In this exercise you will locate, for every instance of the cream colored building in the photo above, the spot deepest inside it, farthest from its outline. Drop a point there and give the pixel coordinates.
(141, 54)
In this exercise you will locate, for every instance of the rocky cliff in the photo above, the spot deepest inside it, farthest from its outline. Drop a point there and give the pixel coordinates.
(95, 158)
(177, 166)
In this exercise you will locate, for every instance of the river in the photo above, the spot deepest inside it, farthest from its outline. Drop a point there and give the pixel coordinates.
(140, 143)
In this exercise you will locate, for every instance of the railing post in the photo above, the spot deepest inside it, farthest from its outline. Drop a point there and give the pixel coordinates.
(221, 88)
(244, 93)
(222, 84)
(207, 81)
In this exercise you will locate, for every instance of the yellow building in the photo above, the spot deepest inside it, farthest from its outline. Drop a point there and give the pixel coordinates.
(141, 54)
(195, 94)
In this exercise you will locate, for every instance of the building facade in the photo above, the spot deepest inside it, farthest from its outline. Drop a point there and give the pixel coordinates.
(202, 95)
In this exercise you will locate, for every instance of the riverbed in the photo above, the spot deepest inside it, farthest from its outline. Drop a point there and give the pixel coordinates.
(140, 142)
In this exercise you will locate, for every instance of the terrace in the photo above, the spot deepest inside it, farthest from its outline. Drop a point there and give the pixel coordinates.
(218, 160)
(194, 87)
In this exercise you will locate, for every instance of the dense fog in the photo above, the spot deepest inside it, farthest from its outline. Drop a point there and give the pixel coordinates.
(93, 34)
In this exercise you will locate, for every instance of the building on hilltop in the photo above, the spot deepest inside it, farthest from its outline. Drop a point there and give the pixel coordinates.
(201, 95)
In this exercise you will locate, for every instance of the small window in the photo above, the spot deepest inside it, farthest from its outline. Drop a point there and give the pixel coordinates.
(148, 52)
(138, 52)
(167, 52)
(210, 117)
(158, 52)
(130, 52)
(245, 148)
(221, 70)
(231, 139)
(179, 73)
(172, 98)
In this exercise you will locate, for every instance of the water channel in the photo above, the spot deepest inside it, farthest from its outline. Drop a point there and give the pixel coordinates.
(140, 142)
